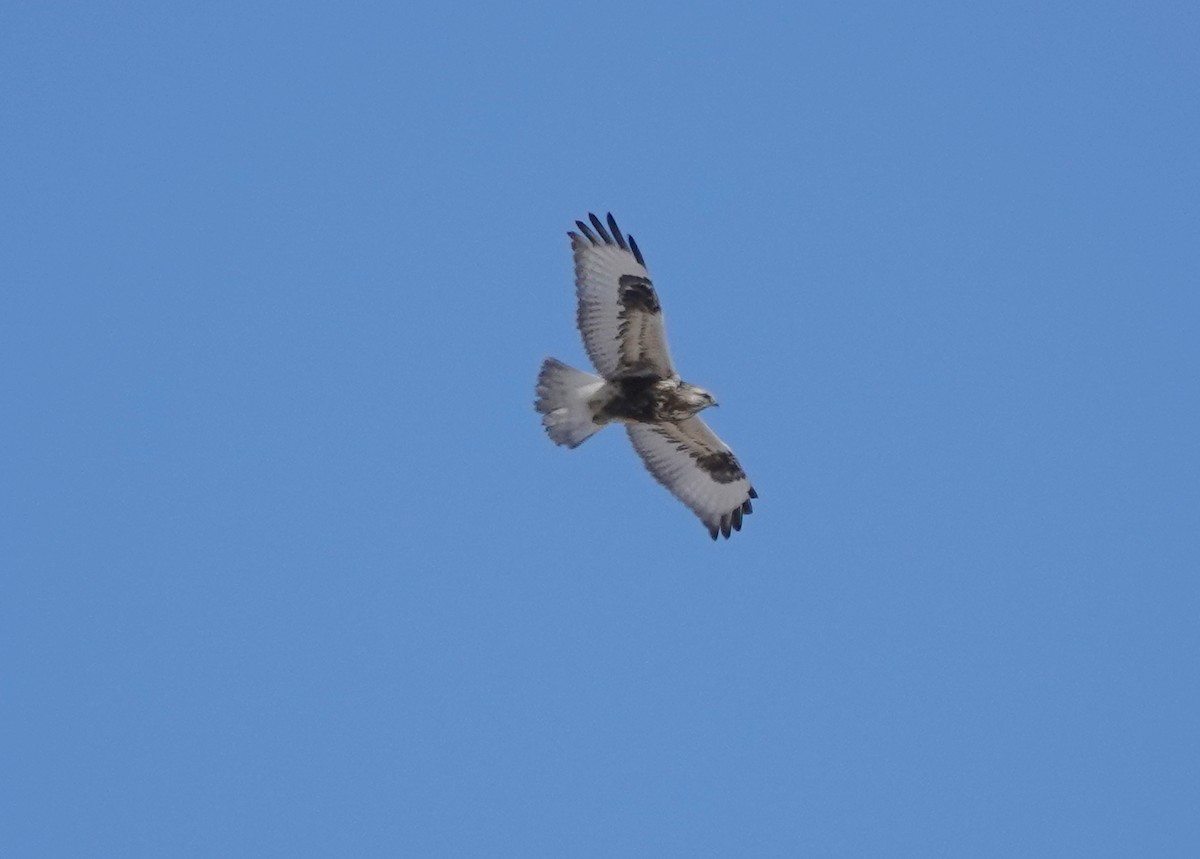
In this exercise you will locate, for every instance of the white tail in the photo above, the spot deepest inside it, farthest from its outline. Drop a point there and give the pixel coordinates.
(563, 395)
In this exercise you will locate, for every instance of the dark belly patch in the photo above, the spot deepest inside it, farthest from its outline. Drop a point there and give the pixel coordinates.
(635, 400)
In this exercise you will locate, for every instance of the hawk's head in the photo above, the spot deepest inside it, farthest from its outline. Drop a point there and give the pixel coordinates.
(696, 399)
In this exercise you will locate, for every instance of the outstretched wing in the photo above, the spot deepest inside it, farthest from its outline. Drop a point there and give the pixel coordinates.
(699, 469)
(618, 315)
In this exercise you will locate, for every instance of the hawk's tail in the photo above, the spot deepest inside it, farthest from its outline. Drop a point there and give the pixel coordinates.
(563, 395)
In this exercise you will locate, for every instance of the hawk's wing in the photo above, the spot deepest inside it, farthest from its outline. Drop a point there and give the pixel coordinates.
(619, 315)
(689, 459)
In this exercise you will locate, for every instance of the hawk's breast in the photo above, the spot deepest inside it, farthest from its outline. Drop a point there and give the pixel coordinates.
(640, 399)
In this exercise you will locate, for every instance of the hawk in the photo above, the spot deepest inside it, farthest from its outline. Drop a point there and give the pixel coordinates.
(622, 326)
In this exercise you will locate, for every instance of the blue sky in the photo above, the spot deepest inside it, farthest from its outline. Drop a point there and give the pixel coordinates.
(289, 567)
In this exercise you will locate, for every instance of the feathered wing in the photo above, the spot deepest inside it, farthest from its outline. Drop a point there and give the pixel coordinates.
(699, 469)
(618, 315)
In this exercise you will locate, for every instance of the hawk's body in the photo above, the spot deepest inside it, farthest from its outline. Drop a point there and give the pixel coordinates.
(621, 322)
(647, 400)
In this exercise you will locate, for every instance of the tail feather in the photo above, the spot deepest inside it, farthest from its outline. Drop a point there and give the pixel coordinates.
(563, 395)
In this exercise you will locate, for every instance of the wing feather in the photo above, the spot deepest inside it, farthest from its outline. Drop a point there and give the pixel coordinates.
(616, 232)
(583, 228)
(699, 469)
(599, 225)
(618, 312)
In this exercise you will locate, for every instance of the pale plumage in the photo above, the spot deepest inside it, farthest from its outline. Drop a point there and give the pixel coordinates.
(618, 315)
(620, 319)
(698, 468)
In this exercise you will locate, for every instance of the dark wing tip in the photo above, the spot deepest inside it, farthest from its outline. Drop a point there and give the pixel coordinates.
(712, 532)
(624, 242)
(726, 526)
(616, 231)
(753, 494)
(599, 225)
(637, 254)
(583, 228)
(737, 518)
(747, 507)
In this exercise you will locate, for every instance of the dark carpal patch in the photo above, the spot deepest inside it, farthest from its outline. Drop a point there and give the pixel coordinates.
(637, 293)
(722, 466)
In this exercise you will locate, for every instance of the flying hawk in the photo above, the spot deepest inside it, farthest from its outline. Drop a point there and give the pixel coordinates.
(622, 326)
